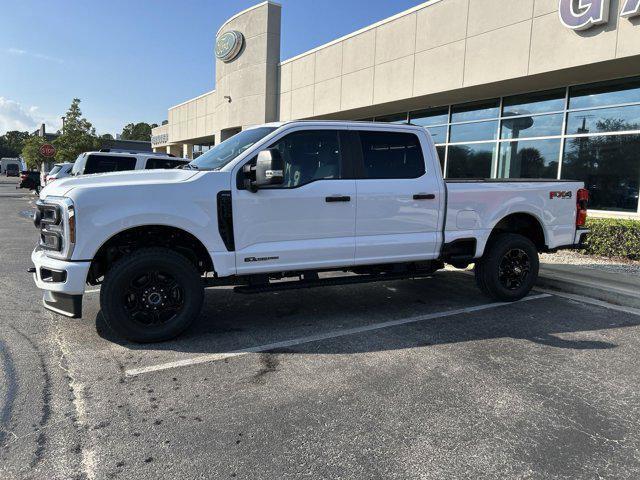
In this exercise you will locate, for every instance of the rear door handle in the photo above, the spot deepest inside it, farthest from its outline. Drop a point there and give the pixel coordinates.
(338, 198)
(424, 196)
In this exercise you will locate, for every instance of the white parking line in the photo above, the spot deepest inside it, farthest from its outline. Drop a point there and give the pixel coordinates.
(591, 301)
(214, 357)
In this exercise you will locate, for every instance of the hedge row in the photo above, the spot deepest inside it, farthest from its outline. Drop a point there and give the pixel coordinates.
(611, 237)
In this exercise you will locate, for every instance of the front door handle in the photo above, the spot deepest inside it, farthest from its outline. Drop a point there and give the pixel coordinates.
(338, 198)
(424, 196)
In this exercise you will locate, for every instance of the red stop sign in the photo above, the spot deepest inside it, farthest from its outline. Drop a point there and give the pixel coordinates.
(47, 150)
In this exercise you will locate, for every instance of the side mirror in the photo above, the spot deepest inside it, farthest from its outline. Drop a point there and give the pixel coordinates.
(269, 169)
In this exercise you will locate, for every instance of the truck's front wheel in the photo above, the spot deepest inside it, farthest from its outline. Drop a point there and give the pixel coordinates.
(151, 295)
(508, 269)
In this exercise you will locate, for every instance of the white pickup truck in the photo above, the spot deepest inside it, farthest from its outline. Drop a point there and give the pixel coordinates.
(278, 205)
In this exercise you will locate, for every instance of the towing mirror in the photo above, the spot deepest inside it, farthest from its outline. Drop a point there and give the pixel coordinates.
(269, 168)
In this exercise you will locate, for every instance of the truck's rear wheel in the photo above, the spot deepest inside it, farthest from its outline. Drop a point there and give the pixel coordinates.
(509, 268)
(151, 295)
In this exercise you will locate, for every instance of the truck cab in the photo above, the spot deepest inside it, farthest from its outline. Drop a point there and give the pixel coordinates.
(278, 205)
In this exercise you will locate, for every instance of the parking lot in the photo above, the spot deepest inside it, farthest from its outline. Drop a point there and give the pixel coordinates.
(406, 379)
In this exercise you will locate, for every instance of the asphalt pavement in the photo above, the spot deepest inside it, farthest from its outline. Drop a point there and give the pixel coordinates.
(406, 379)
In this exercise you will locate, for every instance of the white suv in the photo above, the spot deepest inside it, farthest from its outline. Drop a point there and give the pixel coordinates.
(108, 160)
(59, 170)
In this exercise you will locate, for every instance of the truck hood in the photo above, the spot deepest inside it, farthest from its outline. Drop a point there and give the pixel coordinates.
(63, 186)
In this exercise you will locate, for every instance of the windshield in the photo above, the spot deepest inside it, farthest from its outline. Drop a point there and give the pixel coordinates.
(224, 152)
(55, 169)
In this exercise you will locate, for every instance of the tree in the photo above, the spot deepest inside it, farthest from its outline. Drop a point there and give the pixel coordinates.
(138, 131)
(78, 135)
(106, 136)
(31, 152)
(11, 143)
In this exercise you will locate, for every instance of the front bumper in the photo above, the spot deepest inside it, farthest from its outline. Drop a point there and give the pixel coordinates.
(63, 283)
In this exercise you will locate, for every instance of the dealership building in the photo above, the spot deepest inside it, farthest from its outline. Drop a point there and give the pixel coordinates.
(507, 88)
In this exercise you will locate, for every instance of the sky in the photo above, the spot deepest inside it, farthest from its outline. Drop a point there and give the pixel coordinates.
(130, 60)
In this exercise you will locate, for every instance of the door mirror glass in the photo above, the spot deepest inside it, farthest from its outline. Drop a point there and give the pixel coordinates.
(269, 168)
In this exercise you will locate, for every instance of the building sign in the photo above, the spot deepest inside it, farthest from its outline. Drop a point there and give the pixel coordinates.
(229, 45)
(162, 138)
(584, 14)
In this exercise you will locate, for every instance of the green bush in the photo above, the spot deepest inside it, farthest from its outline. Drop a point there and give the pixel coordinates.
(612, 237)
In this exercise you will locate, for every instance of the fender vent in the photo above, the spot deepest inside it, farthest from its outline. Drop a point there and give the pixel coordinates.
(225, 220)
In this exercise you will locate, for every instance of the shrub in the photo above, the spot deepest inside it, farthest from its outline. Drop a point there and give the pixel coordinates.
(612, 237)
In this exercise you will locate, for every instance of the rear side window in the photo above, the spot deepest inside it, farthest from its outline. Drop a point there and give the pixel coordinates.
(391, 155)
(156, 163)
(108, 163)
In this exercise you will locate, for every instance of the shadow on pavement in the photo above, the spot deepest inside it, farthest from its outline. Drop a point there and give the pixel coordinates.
(230, 321)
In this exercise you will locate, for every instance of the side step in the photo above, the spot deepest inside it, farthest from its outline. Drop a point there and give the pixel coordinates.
(328, 282)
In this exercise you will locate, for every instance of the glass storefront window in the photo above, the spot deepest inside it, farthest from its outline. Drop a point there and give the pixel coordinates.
(471, 160)
(395, 118)
(469, 112)
(536, 126)
(474, 132)
(441, 154)
(439, 134)
(614, 119)
(529, 159)
(605, 93)
(610, 167)
(427, 118)
(538, 102)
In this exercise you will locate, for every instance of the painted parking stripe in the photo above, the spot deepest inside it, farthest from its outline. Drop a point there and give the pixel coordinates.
(319, 337)
(591, 301)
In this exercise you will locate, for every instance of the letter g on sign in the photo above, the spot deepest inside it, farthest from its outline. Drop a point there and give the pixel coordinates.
(583, 14)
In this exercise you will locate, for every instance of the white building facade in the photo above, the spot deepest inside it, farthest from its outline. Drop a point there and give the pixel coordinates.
(507, 88)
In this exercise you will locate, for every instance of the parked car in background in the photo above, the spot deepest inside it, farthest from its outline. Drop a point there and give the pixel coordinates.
(108, 160)
(6, 161)
(12, 170)
(59, 170)
(30, 179)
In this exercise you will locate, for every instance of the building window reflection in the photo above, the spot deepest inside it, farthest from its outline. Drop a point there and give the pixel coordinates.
(199, 149)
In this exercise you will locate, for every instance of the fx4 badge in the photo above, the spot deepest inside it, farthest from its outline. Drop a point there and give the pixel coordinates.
(259, 259)
(560, 195)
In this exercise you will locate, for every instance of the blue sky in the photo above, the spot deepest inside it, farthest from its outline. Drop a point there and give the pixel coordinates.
(128, 61)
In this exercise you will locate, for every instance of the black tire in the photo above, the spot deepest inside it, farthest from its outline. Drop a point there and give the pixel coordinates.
(151, 295)
(509, 268)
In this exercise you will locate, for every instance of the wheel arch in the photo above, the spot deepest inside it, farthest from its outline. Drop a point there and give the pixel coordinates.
(526, 224)
(135, 237)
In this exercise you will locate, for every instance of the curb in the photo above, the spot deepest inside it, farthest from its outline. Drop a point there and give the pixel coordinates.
(600, 291)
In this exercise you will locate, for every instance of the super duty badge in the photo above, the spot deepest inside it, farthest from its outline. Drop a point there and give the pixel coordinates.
(260, 259)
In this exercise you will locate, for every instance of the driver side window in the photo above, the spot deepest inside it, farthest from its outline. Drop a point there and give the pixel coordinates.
(309, 155)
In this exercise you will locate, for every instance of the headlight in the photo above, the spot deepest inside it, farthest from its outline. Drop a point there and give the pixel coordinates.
(56, 218)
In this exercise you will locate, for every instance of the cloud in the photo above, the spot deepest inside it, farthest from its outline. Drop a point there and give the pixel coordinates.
(13, 116)
(40, 56)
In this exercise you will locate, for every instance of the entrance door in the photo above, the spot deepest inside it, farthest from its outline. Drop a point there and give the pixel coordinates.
(308, 222)
(398, 200)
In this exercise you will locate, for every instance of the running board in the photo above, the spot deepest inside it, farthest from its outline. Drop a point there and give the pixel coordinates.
(327, 282)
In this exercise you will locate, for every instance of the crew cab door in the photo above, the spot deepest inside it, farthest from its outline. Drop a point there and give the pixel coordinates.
(308, 222)
(399, 198)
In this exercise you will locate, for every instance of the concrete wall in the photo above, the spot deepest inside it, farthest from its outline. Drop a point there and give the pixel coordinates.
(251, 79)
(461, 46)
